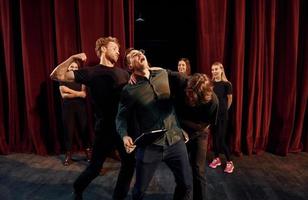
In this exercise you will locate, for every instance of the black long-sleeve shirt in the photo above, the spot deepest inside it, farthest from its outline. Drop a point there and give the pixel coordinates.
(150, 101)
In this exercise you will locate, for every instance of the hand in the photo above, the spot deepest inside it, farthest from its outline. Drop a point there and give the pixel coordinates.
(132, 79)
(128, 144)
(156, 68)
(81, 56)
(186, 136)
(206, 130)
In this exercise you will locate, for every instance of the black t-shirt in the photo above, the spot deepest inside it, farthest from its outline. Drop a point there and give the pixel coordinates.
(73, 86)
(105, 85)
(222, 89)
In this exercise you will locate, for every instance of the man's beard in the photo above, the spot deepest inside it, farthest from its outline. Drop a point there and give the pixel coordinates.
(112, 59)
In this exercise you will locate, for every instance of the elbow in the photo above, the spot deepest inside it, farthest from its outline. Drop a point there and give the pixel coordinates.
(52, 76)
(56, 77)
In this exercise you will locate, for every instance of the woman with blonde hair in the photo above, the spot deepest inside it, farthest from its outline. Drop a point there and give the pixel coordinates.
(223, 90)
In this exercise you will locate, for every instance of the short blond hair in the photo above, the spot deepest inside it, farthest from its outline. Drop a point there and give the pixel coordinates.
(103, 41)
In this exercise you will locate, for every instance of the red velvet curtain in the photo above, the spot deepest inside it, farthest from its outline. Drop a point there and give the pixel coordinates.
(35, 36)
(263, 46)
(262, 43)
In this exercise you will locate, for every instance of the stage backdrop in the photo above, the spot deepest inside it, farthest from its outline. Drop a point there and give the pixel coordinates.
(36, 35)
(263, 46)
(262, 43)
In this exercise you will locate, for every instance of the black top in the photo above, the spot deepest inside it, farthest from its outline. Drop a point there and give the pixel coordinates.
(222, 89)
(150, 99)
(105, 85)
(76, 87)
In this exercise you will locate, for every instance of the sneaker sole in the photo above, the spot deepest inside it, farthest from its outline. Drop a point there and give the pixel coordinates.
(229, 172)
(214, 167)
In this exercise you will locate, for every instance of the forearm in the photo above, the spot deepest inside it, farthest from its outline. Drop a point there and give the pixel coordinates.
(121, 122)
(60, 72)
(71, 95)
(229, 100)
(66, 92)
(68, 96)
(75, 93)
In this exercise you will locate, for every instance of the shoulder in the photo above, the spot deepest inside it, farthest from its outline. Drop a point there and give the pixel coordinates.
(158, 70)
(86, 70)
(227, 83)
(121, 70)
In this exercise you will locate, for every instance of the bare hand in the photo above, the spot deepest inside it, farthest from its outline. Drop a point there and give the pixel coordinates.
(206, 130)
(156, 68)
(186, 136)
(81, 56)
(132, 80)
(128, 144)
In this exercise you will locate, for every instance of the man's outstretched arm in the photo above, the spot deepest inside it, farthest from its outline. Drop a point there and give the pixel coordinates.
(60, 73)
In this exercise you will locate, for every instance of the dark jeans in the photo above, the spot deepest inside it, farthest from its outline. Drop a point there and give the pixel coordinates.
(176, 158)
(197, 153)
(104, 143)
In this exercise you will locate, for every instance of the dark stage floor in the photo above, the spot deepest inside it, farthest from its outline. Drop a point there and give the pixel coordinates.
(267, 176)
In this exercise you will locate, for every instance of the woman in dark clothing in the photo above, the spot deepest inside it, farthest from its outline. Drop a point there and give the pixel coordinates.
(74, 114)
(197, 116)
(223, 90)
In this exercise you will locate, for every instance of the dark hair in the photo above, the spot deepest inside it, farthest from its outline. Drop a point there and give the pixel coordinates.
(126, 60)
(103, 41)
(188, 68)
(198, 86)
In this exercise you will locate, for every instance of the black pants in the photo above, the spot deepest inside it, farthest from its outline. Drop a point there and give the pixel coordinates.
(197, 148)
(74, 116)
(104, 143)
(176, 158)
(220, 137)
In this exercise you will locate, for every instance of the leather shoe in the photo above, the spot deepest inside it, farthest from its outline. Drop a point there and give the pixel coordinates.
(68, 159)
(77, 196)
(88, 152)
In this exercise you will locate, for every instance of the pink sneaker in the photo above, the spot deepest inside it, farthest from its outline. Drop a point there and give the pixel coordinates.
(215, 163)
(229, 167)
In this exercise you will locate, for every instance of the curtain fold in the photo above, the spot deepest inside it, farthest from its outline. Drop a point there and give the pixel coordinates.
(262, 44)
(36, 37)
(264, 52)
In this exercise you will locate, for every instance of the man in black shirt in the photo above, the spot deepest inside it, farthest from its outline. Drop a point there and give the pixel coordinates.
(105, 82)
(150, 101)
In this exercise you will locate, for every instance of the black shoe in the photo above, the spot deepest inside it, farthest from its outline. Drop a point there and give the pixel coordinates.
(68, 159)
(77, 196)
(88, 152)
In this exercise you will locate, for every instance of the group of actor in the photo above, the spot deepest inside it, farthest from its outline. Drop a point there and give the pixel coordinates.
(180, 108)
